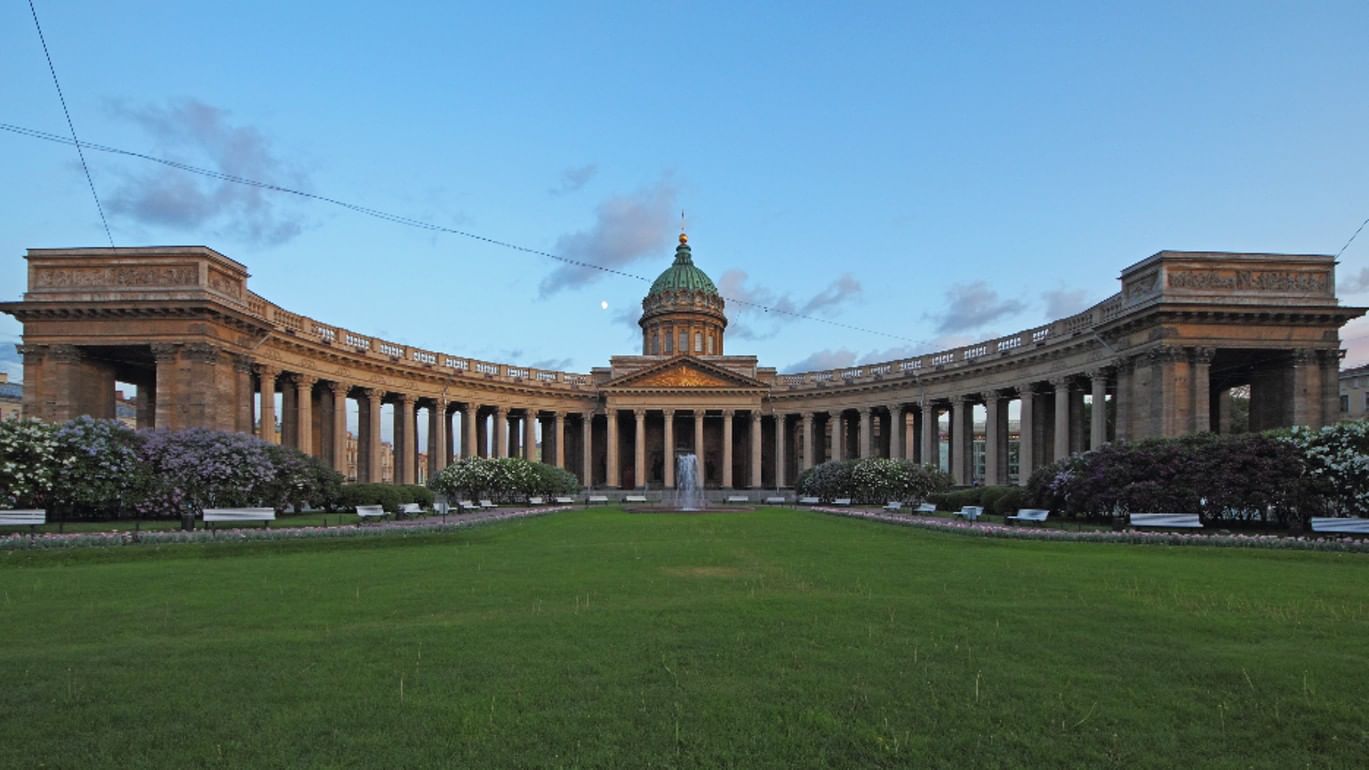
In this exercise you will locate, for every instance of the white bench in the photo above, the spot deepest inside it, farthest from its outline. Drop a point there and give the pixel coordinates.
(1340, 525)
(808, 501)
(596, 500)
(738, 499)
(969, 512)
(466, 505)
(842, 501)
(564, 500)
(31, 518)
(894, 506)
(925, 508)
(214, 516)
(634, 498)
(774, 501)
(487, 504)
(410, 509)
(1029, 515)
(365, 512)
(1166, 520)
(537, 501)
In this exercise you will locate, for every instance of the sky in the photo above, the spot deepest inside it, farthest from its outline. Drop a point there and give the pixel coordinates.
(931, 174)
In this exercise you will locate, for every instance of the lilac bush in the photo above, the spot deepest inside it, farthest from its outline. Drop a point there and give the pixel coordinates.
(193, 469)
(1337, 464)
(100, 472)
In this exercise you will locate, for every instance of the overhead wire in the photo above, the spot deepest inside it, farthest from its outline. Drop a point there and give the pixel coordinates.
(70, 125)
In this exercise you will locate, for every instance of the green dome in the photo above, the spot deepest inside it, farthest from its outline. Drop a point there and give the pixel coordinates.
(683, 275)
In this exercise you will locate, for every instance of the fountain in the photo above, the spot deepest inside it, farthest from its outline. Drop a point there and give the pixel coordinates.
(688, 486)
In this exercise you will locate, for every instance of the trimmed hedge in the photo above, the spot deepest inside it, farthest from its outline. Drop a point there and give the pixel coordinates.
(390, 496)
(871, 481)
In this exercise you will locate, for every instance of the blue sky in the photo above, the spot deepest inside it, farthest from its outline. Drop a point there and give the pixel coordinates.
(939, 173)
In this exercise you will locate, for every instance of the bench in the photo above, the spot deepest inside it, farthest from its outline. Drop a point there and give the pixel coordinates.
(563, 500)
(214, 516)
(845, 502)
(486, 504)
(413, 510)
(808, 501)
(537, 501)
(738, 499)
(1338, 525)
(596, 500)
(634, 498)
(466, 505)
(1028, 515)
(31, 518)
(969, 512)
(774, 501)
(925, 508)
(1166, 520)
(370, 512)
(893, 506)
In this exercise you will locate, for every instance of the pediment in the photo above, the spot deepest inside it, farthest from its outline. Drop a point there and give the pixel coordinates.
(683, 372)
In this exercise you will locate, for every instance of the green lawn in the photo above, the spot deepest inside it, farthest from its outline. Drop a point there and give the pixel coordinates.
(601, 639)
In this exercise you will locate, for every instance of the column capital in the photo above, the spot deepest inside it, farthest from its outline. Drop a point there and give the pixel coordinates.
(301, 380)
(669, 413)
(756, 415)
(337, 388)
(1025, 389)
(729, 413)
(374, 395)
(501, 410)
(896, 408)
(957, 400)
(988, 396)
(835, 413)
(1332, 356)
(1203, 355)
(202, 352)
(1161, 353)
(66, 353)
(242, 364)
(1059, 382)
(263, 370)
(864, 410)
(805, 417)
(587, 416)
(404, 399)
(639, 414)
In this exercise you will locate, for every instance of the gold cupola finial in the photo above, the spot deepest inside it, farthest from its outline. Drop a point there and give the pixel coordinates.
(683, 238)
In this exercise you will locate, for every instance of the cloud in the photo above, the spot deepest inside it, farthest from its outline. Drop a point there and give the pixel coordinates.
(559, 364)
(743, 315)
(971, 306)
(196, 131)
(1354, 284)
(823, 359)
(1065, 302)
(840, 358)
(626, 228)
(574, 178)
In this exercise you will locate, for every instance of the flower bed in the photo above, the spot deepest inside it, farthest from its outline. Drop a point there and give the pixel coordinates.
(156, 537)
(983, 529)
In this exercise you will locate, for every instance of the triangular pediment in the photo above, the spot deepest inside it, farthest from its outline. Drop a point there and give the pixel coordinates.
(683, 372)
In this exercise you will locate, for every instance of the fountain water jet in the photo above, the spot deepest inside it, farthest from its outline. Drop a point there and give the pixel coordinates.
(688, 486)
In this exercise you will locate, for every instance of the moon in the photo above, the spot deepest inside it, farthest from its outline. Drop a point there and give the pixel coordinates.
(603, 304)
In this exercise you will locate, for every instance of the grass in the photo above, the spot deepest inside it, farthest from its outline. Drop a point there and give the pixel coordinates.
(315, 519)
(596, 638)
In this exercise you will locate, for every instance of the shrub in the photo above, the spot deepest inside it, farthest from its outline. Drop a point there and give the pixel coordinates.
(1012, 499)
(100, 474)
(301, 479)
(505, 479)
(416, 493)
(28, 462)
(1337, 458)
(873, 480)
(386, 495)
(193, 469)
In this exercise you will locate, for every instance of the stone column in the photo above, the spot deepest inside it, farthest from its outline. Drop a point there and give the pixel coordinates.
(669, 446)
(960, 442)
(470, 427)
(304, 413)
(1098, 417)
(167, 358)
(781, 457)
(437, 437)
(727, 448)
(530, 435)
(614, 479)
(501, 431)
(897, 422)
(1170, 392)
(288, 413)
(930, 427)
(1330, 386)
(1200, 369)
(994, 456)
(266, 431)
(559, 428)
(1026, 429)
(838, 435)
(370, 439)
(1306, 391)
(242, 407)
(639, 448)
(587, 449)
(1062, 417)
(756, 475)
(699, 439)
(806, 427)
(406, 447)
(338, 391)
(864, 432)
(1123, 400)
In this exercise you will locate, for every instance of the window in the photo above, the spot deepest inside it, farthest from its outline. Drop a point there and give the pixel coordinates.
(710, 344)
(1345, 402)
(655, 345)
(669, 341)
(698, 342)
(684, 341)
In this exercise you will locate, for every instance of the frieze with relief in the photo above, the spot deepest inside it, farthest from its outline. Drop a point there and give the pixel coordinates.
(681, 376)
(104, 277)
(1287, 281)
